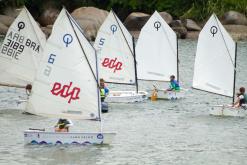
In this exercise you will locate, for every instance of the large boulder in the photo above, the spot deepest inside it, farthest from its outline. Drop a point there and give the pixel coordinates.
(233, 17)
(136, 20)
(11, 11)
(179, 28)
(6, 20)
(191, 25)
(180, 31)
(176, 23)
(166, 16)
(238, 32)
(3, 29)
(48, 17)
(47, 30)
(90, 19)
(192, 35)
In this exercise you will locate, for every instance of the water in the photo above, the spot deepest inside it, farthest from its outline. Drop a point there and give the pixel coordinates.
(162, 132)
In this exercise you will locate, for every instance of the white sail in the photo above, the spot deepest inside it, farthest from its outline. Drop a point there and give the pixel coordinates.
(215, 59)
(66, 85)
(156, 50)
(21, 51)
(114, 47)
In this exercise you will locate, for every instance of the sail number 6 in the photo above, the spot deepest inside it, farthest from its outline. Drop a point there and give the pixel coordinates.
(48, 68)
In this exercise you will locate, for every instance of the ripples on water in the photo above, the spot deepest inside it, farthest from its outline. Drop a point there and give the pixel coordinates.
(162, 132)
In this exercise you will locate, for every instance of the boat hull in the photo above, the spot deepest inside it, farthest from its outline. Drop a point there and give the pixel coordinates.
(43, 137)
(227, 110)
(126, 96)
(162, 94)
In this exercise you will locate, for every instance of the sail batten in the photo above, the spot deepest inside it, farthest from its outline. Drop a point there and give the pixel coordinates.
(66, 84)
(114, 49)
(157, 50)
(215, 58)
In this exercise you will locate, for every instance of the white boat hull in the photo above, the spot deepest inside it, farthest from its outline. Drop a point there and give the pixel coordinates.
(43, 137)
(227, 110)
(162, 94)
(126, 96)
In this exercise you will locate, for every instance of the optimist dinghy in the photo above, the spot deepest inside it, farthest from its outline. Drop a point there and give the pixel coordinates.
(215, 65)
(60, 91)
(157, 55)
(20, 54)
(116, 56)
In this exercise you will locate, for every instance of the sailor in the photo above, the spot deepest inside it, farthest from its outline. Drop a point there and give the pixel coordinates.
(174, 85)
(104, 91)
(241, 98)
(28, 89)
(63, 125)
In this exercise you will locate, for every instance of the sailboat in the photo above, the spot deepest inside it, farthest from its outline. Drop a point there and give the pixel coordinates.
(157, 55)
(21, 52)
(116, 56)
(215, 65)
(66, 86)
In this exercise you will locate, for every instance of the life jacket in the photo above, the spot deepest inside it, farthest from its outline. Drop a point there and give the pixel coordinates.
(174, 85)
(245, 98)
(102, 93)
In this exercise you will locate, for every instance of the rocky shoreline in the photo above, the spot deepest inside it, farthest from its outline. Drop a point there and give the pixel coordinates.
(91, 18)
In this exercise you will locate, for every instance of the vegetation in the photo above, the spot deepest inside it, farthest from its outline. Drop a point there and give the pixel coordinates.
(195, 9)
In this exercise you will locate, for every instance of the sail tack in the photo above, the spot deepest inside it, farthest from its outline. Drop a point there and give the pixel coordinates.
(66, 83)
(156, 50)
(215, 59)
(114, 48)
(21, 50)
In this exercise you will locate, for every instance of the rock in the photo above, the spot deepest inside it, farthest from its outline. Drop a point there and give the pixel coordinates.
(238, 32)
(12, 11)
(166, 16)
(176, 23)
(233, 17)
(136, 20)
(48, 17)
(179, 28)
(6, 20)
(49, 26)
(3, 29)
(180, 31)
(191, 25)
(135, 34)
(192, 35)
(47, 31)
(90, 19)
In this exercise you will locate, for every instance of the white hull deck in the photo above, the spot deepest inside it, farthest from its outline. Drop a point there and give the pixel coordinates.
(43, 137)
(227, 110)
(162, 94)
(126, 96)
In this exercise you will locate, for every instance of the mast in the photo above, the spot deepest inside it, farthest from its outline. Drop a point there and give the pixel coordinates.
(95, 76)
(134, 54)
(177, 62)
(235, 66)
(81, 46)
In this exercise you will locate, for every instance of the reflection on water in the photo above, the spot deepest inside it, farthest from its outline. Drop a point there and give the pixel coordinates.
(163, 132)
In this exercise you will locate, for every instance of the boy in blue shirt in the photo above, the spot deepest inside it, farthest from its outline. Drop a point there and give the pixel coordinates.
(174, 85)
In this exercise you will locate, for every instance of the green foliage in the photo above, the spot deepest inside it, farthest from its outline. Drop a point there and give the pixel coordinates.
(195, 9)
(204, 8)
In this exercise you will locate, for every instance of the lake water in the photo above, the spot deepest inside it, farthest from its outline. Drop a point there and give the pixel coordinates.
(163, 132)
